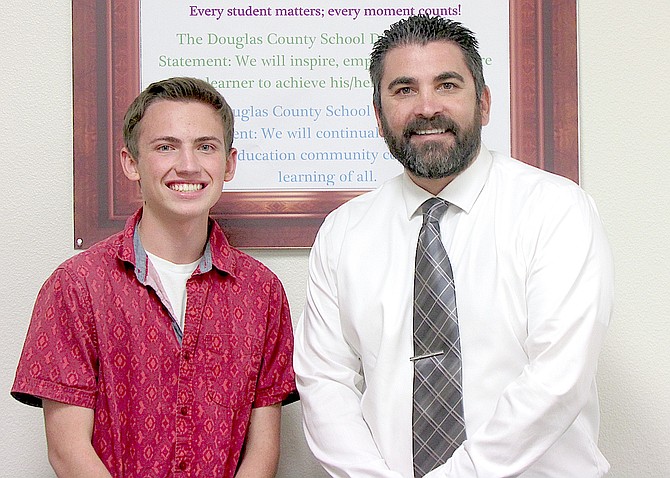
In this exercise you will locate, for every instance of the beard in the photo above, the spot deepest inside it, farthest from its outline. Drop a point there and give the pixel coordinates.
(434, 159)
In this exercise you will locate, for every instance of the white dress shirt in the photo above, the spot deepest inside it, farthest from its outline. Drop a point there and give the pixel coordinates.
(534, 286)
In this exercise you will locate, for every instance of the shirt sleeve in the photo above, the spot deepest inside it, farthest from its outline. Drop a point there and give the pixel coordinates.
(569, 294)
(328, 374)
(58, 361)
(276, 382)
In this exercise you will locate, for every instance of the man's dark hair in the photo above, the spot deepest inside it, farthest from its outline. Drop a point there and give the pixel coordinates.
(420, 30)
(175, 89)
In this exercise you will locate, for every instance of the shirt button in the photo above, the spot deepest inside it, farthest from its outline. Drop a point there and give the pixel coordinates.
(184, 411)
(187, 356)
(182, 465)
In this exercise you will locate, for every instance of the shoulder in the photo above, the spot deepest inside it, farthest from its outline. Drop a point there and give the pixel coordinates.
(227, 258)
(358, 210)
(533, 186)
(251, 271)
(251, 265)
(73, 286)
(96, 261)
(511, 168)
(542, 207)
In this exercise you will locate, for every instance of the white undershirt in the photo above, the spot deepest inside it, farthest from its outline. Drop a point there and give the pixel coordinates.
(173, 279)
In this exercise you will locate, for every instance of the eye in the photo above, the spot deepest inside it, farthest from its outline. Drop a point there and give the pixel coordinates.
(447, 86)
(404, 91)
(207, 148)
(164, 148)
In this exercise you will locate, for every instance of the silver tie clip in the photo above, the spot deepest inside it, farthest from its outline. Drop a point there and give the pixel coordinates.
(425, 356)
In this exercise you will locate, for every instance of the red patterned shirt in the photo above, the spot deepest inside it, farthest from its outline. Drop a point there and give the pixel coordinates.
(101, 337)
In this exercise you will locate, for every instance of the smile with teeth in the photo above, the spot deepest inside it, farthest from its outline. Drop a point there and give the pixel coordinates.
(186, 187)
(431, 131)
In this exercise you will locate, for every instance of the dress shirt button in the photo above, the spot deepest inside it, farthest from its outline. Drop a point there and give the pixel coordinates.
(187, 356)
(183, 411)
(182, 465)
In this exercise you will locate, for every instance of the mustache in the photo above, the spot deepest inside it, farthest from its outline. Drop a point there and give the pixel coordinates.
(436, 122)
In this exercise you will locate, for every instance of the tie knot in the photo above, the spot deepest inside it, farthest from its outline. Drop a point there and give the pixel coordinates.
(433, 209)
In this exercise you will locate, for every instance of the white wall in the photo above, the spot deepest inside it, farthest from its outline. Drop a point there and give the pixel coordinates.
(624, 64)
(624, 50)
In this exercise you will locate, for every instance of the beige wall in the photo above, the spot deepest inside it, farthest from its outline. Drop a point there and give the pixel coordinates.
(624, 66)
(624, 50)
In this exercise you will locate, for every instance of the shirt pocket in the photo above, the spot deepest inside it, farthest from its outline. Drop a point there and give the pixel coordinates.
(232, 368)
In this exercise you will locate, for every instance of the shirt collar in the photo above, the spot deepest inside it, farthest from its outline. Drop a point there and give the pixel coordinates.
(462, 191)
(218, 252)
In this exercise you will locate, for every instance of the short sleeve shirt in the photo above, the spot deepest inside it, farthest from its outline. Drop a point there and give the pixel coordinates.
(101, 337)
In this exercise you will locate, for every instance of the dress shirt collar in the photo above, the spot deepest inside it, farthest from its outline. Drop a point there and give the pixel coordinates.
(462, 192)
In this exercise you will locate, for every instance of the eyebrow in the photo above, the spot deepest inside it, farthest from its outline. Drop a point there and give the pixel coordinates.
(408, 80)
(172, 139)
(450, 75)
(205, 139)
(401, 80)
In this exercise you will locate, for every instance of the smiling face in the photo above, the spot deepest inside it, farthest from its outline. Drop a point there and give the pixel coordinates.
(430, 117)
(182, 161)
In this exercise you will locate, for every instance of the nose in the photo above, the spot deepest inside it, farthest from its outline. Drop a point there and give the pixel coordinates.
(428, 104)
(187, 161)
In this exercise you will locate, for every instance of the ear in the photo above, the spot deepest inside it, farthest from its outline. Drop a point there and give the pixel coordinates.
(379, 122)
(231, 165)
(485, 105)
(129, 165)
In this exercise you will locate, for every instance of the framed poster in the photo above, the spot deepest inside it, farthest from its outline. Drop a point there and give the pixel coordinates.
(297, 81)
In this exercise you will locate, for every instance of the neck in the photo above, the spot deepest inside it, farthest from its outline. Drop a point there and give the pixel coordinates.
(180, 243)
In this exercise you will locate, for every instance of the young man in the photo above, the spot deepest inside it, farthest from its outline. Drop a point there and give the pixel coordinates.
(162, 351)
(463, 344)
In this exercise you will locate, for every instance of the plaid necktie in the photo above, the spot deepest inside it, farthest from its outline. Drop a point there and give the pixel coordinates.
(437, 416)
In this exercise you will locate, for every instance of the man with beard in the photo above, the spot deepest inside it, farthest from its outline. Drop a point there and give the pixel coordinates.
(525, 291)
